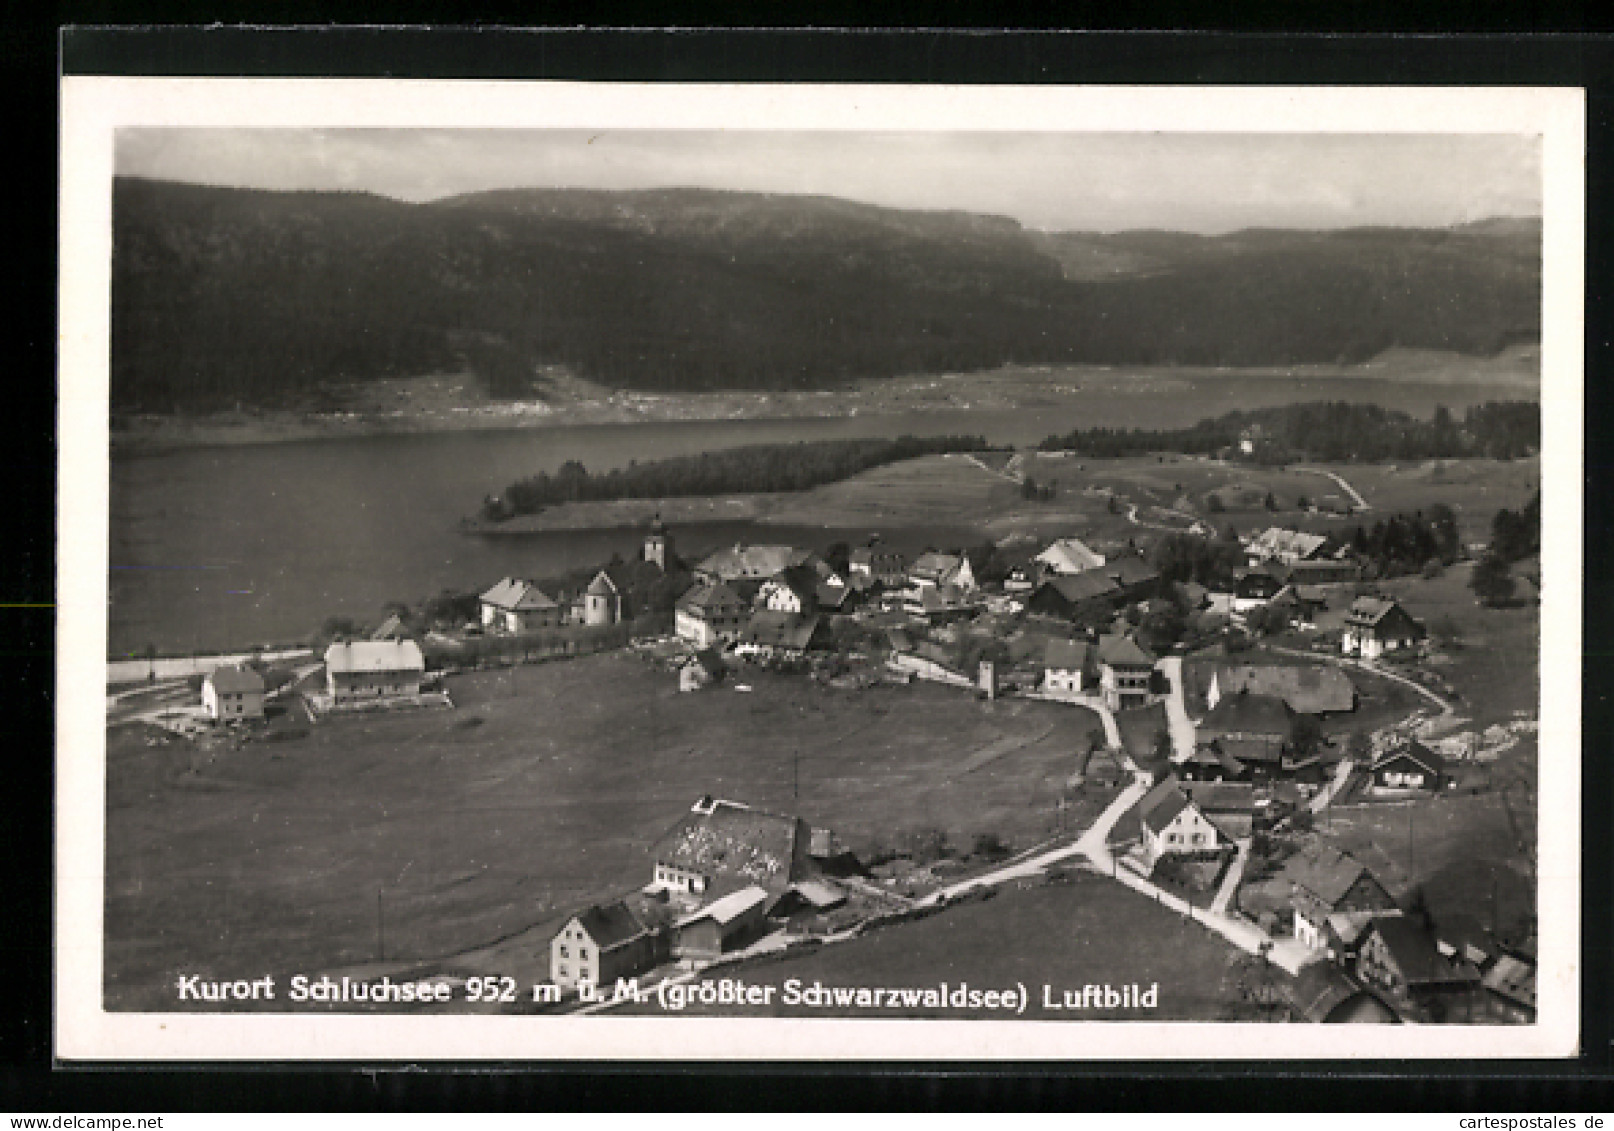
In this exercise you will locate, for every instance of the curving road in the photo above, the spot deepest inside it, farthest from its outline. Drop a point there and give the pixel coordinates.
(1361, 503)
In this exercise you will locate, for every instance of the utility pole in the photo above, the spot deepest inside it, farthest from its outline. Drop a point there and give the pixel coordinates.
(795, 775)
(380, 928)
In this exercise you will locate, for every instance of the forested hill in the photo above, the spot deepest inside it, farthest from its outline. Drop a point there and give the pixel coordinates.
(225, 296)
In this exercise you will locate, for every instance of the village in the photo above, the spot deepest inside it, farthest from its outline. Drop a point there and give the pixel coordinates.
(1241, 711)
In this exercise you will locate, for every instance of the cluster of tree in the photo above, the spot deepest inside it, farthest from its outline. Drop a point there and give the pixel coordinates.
(1189, 557)
(1033, 491)
(1408, 543)
(1514, 536)
(227, 296)
(1339, 431)
(756, 467)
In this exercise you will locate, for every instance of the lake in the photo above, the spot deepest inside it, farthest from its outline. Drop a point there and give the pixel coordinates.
(226, 547)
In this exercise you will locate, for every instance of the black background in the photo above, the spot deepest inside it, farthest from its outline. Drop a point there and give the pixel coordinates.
(1255, 45)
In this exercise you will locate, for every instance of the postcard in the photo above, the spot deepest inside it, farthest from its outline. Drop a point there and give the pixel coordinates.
(612, 571)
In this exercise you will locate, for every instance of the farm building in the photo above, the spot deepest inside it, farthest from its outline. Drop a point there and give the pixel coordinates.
(1074, 597)
(604, 943)
(1210, 763)
(1308, 689)
(1409, 768)
(233, 693)
(514, 605)
(1301, 602)
(1376, 625)
(723, 925)
(719, 846)
(1136, 579)
(710, 614)
(1324, 571)
(1323, 881)
(1230, 806)
(1125, 672)
(1399, 957)
(373, 669)
(1286, 547)
(748, 563)
(783, 636)
(1068, 557)
(1255, 729)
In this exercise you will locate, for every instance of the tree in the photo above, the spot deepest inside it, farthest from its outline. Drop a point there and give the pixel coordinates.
(1306, 737)
(1271, 501)
(1214, 504)
(1302, 502)
(1267, 620)
(837, 556)
(1492, 583)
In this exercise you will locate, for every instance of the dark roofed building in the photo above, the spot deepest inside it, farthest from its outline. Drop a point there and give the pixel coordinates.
(1255, 729)
(783, 635)
(710, 613)
(1074, 596)
(1134, 577)
(1323, 994)
(603, 943)
(1376, 625)
(721, 846)
(514, 605)
(1400, 957)
(1409, 768)
(1308, 689)
(1323, 881)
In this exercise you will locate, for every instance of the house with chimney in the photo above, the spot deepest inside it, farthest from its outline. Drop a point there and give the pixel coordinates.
(710, 614)
(515, 606)
(1376, 625)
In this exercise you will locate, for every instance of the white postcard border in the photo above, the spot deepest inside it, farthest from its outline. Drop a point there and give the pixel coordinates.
(93, 107)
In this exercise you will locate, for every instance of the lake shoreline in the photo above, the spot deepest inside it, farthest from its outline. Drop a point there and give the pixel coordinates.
(428, 409)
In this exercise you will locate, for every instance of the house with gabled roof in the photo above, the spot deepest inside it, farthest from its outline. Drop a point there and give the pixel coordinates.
(1398, 956)
(710, 614)
(514, 605)
(1324, 881)
(1286, 547)
(1074, 597)
(791, 590)
(1070, 667)
(879, 563)
(938, 569)
(1409, 768)
(1126, 672)
(783, 636)
(233, 693)
(1172, 823)
(1308, 689)
(605, 942)
(1255, 729)
(724, 924)
(1136, 579)
(1376, 625)
(741, 563)
(1070, 556)
(373, 669)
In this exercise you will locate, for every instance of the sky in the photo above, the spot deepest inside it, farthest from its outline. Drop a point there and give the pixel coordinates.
(1199, 182)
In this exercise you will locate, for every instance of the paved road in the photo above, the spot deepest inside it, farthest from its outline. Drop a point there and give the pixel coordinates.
(1112, 732)
(1361, 503)
(1091, 844)
(1230, 882)
(1325, 797)
(1177, 720)
(1376, 669)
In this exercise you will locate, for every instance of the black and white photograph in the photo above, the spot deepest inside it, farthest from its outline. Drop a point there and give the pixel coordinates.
(582, 571)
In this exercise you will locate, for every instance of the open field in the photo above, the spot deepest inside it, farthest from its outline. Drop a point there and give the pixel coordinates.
(540, 792)
(1474, 489)
(1084, 929)
(1496, 665)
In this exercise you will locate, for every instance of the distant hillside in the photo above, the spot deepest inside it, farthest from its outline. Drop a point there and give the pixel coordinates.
(225, 296)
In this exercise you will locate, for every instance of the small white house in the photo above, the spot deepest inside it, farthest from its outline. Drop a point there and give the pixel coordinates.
(233, 693)
(1172, 823)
